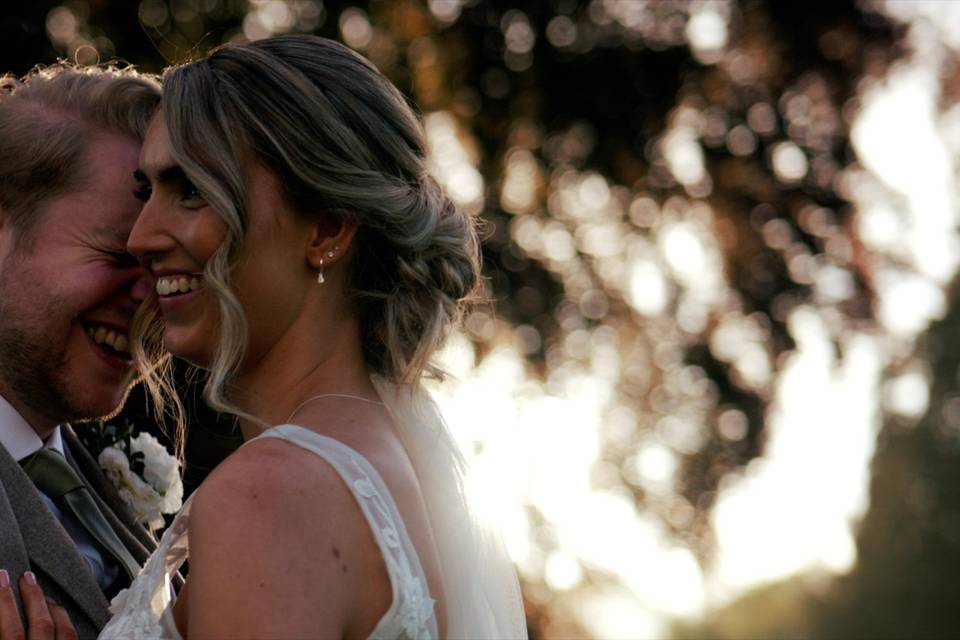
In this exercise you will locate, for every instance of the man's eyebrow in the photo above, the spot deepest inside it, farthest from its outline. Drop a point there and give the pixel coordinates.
(173, 173)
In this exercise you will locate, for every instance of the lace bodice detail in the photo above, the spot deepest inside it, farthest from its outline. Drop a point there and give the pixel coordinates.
(145, 610)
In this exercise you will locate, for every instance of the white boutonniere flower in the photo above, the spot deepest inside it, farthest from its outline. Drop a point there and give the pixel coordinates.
(146, 475)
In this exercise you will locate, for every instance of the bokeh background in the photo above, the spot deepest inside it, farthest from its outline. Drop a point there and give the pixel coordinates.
(715, 391)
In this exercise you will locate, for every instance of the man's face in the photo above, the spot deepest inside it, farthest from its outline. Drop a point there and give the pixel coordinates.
(68, 297)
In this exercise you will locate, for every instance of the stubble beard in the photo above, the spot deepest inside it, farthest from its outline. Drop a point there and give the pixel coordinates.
(34, 366)
(29, 368)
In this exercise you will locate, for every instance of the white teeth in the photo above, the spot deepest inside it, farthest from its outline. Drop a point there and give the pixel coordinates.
(177, 284)
(109, 337)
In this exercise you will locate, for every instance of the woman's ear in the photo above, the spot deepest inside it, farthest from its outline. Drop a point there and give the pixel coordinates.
(327, 246)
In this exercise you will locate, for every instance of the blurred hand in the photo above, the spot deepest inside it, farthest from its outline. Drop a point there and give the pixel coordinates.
(46, 620)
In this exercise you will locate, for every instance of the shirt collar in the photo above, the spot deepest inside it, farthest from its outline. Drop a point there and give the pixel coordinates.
(19, 438)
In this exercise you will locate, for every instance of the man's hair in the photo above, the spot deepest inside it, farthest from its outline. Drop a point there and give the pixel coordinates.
(47, 120)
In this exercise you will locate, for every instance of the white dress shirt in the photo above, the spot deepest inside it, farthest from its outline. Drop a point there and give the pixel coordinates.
(21, 441)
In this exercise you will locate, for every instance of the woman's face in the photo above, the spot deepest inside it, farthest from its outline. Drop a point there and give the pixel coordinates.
(177, 233)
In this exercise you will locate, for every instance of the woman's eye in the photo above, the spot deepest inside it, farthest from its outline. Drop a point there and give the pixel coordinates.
(190, 196)
(143, 192)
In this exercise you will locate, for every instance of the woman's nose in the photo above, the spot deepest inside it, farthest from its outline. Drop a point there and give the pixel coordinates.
(147, 238)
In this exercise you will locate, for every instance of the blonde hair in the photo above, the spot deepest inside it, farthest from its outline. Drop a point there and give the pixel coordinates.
(47, 118)
(345, 145)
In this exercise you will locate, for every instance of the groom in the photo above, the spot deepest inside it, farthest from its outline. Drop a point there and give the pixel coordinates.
(69, 141)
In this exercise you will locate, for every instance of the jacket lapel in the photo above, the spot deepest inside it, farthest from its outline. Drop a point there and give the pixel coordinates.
(47, 545)
(138, 541)
(134, 536)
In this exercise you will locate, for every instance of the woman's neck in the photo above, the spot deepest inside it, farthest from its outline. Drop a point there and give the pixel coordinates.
(299, 366)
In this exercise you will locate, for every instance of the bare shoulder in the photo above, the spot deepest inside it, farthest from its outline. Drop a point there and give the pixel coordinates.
(277, 496)
(277, 536)
(267, 474)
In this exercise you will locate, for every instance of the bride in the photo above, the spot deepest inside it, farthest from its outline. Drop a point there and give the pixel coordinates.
(304, 258)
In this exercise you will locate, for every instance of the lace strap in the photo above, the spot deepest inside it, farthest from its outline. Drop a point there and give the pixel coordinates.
(411, 602)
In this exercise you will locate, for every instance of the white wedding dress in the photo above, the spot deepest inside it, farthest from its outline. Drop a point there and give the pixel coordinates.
(482, 596)
(145, 610)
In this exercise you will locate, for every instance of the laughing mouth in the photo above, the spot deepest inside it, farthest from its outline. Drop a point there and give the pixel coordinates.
(110, 339)
(169, 286)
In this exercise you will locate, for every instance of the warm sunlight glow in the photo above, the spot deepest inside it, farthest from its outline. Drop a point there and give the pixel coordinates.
(451, 163)
(778, 519)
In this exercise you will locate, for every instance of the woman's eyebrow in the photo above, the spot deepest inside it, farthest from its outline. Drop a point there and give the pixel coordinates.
(173, 173)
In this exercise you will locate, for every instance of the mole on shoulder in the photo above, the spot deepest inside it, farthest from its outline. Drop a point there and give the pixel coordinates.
(336, 552)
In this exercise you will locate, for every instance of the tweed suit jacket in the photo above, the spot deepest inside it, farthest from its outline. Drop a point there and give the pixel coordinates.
(32, 539)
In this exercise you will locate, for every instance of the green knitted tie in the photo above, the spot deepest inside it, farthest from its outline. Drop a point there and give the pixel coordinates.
(54, 476)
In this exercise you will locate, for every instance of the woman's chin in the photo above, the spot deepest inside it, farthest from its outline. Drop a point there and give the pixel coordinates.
(195, 351)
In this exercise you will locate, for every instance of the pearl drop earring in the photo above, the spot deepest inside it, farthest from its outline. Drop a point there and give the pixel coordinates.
(330, 254)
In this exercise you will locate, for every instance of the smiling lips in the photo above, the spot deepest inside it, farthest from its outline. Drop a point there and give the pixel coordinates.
(176, 285)
(166, 287)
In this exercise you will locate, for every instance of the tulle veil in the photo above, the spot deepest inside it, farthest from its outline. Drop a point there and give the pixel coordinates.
(481, 590)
